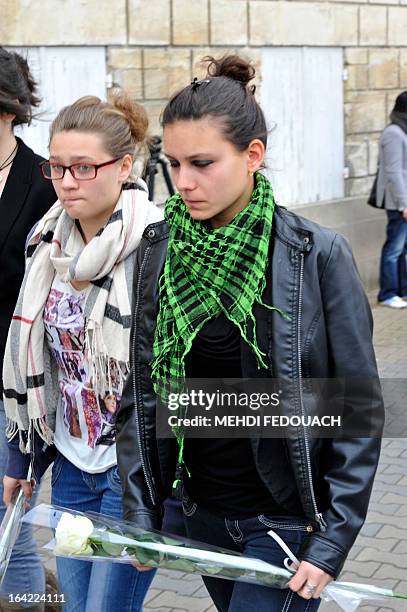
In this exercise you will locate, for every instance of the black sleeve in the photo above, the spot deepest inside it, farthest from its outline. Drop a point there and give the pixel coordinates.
(17, 462)
(131, 442)
(352, 462)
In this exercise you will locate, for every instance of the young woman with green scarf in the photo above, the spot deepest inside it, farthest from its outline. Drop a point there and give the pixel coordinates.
(233, 286)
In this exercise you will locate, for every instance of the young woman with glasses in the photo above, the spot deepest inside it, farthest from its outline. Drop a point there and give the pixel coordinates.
(233, 286)
(24, 197)
(68, 347)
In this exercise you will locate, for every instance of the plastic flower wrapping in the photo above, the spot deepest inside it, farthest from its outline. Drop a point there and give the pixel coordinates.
(9, 530)
(96, 537)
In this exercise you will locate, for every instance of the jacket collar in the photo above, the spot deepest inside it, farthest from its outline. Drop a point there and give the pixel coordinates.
(286, 227)
(16, 189)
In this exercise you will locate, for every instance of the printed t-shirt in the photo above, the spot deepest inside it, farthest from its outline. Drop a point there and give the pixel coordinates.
(85, 422)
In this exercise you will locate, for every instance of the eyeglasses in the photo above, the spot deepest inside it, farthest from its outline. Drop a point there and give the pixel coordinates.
(81, 172)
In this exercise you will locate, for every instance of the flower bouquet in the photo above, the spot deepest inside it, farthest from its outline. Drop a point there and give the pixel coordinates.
(96, 537)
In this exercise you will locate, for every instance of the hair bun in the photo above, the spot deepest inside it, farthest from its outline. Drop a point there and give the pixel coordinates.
(231, 66)
(135, 114)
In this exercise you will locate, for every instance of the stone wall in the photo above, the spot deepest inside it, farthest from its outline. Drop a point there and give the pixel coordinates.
(153, 47)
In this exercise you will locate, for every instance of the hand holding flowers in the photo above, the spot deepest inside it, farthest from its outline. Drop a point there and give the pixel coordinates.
(97, 537)
(309, 581)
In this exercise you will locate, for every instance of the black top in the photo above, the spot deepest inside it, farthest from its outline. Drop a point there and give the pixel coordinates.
(223, 477)
(25, 199)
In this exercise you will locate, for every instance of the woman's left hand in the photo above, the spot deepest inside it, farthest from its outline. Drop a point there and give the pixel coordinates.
(309, 580)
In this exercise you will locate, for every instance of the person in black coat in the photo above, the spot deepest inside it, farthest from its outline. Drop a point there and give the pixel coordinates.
(25, 196)
(233, 288)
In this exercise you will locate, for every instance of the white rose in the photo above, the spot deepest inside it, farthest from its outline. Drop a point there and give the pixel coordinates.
(72, 534)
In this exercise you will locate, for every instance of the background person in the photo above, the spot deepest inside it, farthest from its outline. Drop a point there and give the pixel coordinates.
(212, 284)
(72, 329)
(392, 186)
(24, 197)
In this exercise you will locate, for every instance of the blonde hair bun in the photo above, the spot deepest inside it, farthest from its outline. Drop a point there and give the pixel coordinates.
(122, 123)
(134, 112)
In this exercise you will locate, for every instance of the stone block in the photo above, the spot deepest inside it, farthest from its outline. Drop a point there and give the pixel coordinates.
(356, 55)
(176, 585)
(229, 22)
(390, 531)
(397, 25)
(373, 25)
(165, 72)
(383, 68)
(149, 22)
(362, 570)
(357, 77)
(124, 57)
(401, 547)
(154, 110)
(403, 68)
(357, 186)
(132, 81)
(282, 23)
(169, 600)
(356, 157)
(379, 545)
(389, 572)
(373, 154)
(151, 593)
(94, 22)
(190, 22)
(365, 111)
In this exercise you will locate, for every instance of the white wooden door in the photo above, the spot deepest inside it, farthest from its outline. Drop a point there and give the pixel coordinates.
(64, 74)
(302, 96)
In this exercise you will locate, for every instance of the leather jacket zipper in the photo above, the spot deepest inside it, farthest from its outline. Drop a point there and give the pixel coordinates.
(317, 515)
(137, 394)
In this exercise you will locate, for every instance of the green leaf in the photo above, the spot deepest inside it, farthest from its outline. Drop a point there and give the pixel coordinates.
(112, 548)
(172, 542)
(211, 569)
(274, 580)
(182, 565)
(144, 556)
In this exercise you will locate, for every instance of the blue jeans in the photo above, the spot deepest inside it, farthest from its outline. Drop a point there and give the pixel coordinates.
(249, 536)
(393, 270)
(98, 586)
(25, 572)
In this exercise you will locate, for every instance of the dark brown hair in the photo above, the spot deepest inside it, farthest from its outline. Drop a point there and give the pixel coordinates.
(18, 90)
(225, 95)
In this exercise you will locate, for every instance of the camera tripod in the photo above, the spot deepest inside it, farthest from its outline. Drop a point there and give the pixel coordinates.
(156, 159)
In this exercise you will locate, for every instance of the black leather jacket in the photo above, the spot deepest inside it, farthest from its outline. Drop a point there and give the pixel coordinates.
(314, 279)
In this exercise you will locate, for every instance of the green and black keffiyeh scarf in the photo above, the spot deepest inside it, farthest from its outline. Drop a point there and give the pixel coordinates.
(209, 271)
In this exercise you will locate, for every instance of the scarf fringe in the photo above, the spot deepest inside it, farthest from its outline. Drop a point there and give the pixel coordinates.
(11, 429)
(43, 430)
(25, 437)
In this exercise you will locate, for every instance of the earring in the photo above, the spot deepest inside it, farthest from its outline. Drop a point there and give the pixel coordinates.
(251, 173)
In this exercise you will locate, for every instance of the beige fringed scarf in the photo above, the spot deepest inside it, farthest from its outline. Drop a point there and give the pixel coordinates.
(30, 396)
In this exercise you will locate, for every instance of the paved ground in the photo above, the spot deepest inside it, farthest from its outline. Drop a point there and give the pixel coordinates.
(380, 553)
